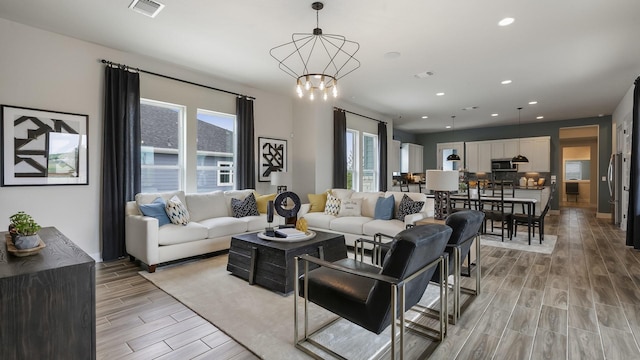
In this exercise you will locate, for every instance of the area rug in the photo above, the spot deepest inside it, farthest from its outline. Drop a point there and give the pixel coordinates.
(520, 242)
(260, 319)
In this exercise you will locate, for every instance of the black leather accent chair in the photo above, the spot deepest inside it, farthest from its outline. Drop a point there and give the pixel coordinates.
(466, 227)
(371, 297)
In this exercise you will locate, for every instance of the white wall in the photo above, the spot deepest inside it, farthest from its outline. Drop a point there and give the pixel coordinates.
(43, 70)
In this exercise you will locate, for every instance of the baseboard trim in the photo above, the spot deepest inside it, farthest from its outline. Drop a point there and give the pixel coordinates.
(600, 215)
(554, 212)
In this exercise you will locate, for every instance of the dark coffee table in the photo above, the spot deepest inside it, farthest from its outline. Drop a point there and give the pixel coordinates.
(271, 263)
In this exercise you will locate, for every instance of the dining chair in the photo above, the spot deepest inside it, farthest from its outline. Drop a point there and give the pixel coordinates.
(373, 297)
(496, 210)
(536, 220)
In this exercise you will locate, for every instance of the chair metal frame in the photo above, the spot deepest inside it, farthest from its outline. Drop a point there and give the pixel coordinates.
(397, 300)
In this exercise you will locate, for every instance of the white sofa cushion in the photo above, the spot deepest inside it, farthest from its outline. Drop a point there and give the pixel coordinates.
(349, 224)
(257, 223)
(341, 194)
(206, 205)
(147, 198)
(318, 220)
(171, 234)
(223, 226)
(387, 227)
(369, 200)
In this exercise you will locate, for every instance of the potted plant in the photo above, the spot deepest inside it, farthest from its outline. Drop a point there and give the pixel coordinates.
(24, 231)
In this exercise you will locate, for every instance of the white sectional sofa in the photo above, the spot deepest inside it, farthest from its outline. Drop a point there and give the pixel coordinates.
(365, 226)
(210, 228)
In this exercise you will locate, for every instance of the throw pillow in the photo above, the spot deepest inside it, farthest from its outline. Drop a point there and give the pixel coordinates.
(262, 200)
(156, 209)
(246, 207)
(176, 211)
(332, 207)
(384, 208)
(317, 202)
(408, 206)
(350, 207)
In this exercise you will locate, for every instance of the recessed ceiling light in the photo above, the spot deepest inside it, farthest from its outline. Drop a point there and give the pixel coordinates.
(494, 115)
(448, 127)
(469, 108)
(506, 21)
(440, 94)
(392, 55)
(425, 117)
(424, 74)
(532, 102)
(600, 115)
(506, 82)
(540, 117)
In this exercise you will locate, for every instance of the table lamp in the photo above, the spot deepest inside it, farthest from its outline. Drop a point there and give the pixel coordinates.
(442, 183)
(281, 180)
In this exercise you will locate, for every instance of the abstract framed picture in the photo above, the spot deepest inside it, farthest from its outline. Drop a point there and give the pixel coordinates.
(42, 147)
(273, 157)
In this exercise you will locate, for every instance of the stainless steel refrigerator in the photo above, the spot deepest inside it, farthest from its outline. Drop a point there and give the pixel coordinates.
(614, 178)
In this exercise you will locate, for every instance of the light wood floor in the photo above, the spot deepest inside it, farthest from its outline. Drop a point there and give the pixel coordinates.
(581, 302)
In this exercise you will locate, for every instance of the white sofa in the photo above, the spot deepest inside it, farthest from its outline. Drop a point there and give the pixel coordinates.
(365, 226)
(210, 228)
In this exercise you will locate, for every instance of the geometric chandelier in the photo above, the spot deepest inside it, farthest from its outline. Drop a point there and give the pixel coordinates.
(316, 60)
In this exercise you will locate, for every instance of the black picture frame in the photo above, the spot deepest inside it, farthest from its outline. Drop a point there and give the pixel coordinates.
(272, 157)
(43, 147)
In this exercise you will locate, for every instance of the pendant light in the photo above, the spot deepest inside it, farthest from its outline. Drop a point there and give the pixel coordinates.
(453, 157)
(520, 159)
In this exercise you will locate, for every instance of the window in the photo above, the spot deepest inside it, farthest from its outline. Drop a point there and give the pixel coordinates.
(225, 173)
(577, 169)
(216, 149)
(162, 150)
(362, 161)
(369, 162)
(352, 165)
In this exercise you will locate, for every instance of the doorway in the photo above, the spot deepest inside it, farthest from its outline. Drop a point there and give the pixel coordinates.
(578, 182)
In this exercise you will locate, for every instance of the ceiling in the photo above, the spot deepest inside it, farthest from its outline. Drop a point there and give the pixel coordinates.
(577, 58)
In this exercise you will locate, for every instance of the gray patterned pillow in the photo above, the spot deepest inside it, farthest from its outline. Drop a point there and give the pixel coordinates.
(246, 207)
(176, 211)
(408, 206)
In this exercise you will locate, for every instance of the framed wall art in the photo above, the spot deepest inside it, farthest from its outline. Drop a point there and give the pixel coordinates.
(273, 157)
(42, 147)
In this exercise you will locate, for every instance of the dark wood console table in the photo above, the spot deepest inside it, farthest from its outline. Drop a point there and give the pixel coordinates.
(47, 301)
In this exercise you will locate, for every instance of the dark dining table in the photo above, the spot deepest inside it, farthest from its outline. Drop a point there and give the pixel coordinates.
(530, 205)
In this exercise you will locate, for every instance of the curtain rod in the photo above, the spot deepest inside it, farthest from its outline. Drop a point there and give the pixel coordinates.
(364, 116)
(175, 79)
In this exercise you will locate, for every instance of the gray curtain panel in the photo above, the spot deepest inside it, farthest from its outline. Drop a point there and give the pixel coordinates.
(246, 168)
(121, 156)
(339, 149)
(382, 155)
(633, 214)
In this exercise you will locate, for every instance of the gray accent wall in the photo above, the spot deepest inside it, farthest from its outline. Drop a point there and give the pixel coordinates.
(548, 128)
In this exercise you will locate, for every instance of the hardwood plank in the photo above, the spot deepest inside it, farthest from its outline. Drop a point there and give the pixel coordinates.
(479, 346)
(584, 345)
(583, 318)
(188, 351)
(530, 298)
(553, 319)
(549, 345)
(164, 333)
(524, 320)
(612, 317)
(580, 297)
(555, 297)
(619, 344)
(515, 345)
(191, 335)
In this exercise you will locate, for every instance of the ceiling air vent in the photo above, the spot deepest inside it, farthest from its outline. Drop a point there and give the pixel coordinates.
(149, 8)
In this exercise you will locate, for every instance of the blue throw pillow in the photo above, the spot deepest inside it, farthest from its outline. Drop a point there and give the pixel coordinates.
(384, 208)
(156, 210)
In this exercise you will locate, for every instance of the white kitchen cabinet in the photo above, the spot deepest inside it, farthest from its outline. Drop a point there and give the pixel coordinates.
(394, 157)
(538, 151)
(478, 156)
(504, 149)
(412, 158)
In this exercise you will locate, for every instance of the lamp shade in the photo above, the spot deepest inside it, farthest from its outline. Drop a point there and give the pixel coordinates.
(440, 180)
(280, 178)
